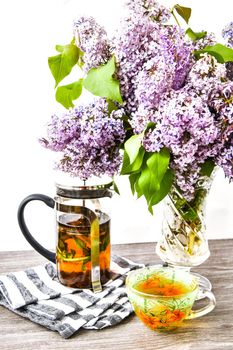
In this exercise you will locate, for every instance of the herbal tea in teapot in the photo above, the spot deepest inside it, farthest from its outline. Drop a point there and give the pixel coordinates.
(74, 249)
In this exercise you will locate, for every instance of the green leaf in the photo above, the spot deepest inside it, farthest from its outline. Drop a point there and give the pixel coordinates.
(138, 188)
(187, 211)
(207, 167)
(133, 179)
(164, 189)
(147, 183)
(195, 35)
(132, 146)
(73, 252)
(149, 178)
(115, 187)
(150, 125)
(100, 82)
(62, 64)
(111, 106)
(80, 243)
(158, 163)
(222, 53)
(59, 48)
(148, 173)
(66, 94)
(73, 41)
(104, 242)
(184, 12)
(127, 167)
(190, 215)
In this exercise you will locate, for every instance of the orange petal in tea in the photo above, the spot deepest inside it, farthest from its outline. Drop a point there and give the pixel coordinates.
(170, 290)
(161, 321)
(71, 245)
(153, 321)
(161, 286)
(149, 286)
(174, 316)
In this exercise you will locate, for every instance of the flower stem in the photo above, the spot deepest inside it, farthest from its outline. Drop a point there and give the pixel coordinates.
(191, 243)
(173, 14)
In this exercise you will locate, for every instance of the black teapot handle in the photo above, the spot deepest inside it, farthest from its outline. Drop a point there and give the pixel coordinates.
(50, 203)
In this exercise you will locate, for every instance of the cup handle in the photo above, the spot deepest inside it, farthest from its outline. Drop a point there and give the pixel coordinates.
(204, 310)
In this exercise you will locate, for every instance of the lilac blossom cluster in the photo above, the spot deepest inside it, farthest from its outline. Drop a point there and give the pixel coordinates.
(221, 102)
(204, 75)
(184, 125)
(88, 138)
(150, 53)
(92, 39)
(161, 82)
(140, 45)
(149, 8)
(208, 40)
(227, 34)
(195, 123)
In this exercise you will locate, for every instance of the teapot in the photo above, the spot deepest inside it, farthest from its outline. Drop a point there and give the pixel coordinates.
(83, 234)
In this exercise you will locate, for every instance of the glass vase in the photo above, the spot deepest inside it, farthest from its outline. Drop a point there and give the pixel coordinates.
(184, 243)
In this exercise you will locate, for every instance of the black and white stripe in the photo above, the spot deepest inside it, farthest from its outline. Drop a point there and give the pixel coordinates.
(37, 295)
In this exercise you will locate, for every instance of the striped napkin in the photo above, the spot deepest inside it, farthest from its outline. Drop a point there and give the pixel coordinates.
(36, 294)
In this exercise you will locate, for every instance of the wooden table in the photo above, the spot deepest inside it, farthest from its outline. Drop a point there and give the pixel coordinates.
(213, 331)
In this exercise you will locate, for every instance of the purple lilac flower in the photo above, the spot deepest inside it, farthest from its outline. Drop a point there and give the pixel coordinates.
(150, 55)
(91, 38)
(134, 45)
(90, 144)
(153, 81)
(220, 98)
(227, 34)
(229, 70)
(61, 130)
(208, 40)
(141, 118)
(177, 52)
(225, 160)
(148, 8)
(187, 179)
(185, 124)
(187, 128)
(187, 121)
(204, 75)
(221, 102)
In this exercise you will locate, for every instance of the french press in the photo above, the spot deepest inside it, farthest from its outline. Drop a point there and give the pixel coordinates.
(83, 234)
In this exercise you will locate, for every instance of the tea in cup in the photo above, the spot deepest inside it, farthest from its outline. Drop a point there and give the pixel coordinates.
(163, 297)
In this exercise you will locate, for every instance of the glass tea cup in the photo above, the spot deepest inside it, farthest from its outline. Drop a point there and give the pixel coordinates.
(163, 297)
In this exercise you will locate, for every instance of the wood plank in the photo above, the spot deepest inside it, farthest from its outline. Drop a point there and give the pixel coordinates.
(211, 332)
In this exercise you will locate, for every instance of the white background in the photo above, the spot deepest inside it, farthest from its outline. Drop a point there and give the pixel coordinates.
(29, 31)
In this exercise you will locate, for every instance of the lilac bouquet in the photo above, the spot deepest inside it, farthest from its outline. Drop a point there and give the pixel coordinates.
(163, 111)
(89, 138)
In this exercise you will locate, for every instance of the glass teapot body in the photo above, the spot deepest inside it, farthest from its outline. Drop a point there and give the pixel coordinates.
(83, 234)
